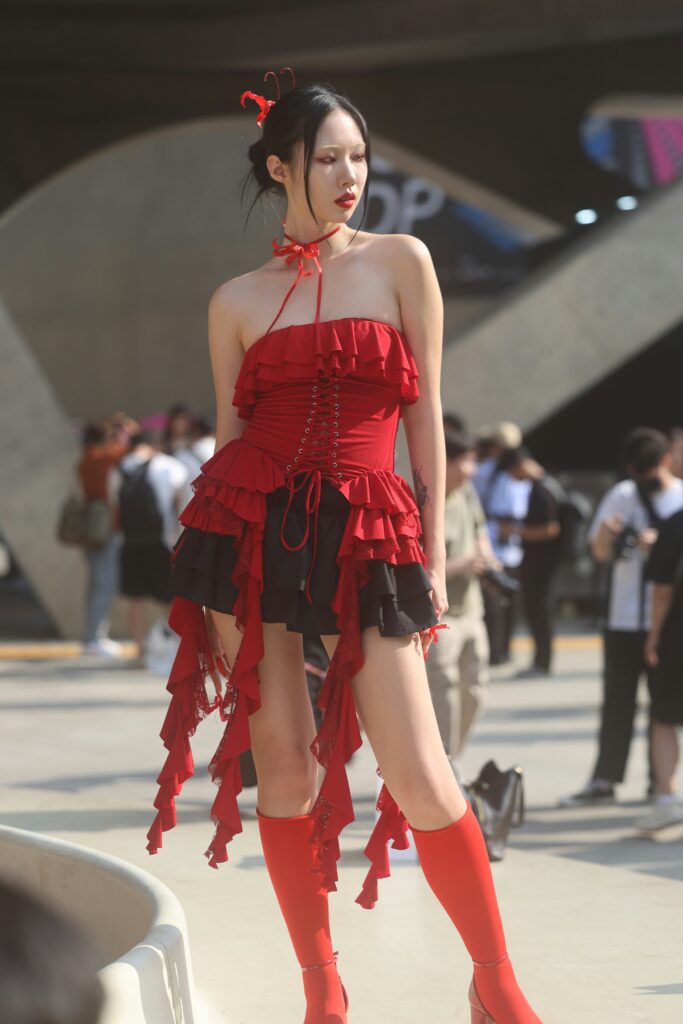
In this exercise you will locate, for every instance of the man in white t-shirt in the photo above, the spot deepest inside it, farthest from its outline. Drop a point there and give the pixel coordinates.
(148, 489)
(623, 533)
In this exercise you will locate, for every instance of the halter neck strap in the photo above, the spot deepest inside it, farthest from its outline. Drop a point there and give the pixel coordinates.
(301, 251)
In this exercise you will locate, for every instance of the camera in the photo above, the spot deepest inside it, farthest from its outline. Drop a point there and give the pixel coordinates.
(506, 585)
(625, 543)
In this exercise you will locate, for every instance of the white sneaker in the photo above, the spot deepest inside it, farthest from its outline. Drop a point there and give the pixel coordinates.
(103, 648)
(661, 816)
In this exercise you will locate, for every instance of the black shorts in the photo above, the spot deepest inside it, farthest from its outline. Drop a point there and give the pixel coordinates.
(397, 599)
(146, 571)
(666, 688)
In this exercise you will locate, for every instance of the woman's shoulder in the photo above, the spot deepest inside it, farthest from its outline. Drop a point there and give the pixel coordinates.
(401, 247)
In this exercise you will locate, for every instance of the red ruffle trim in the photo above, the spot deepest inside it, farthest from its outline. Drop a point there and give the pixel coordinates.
(340, 347)
(383, 523)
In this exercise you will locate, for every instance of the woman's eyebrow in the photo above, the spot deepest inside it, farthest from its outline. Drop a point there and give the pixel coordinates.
(332, 145)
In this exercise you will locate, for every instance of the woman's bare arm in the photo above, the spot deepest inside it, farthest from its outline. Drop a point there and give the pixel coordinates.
(421, 307)
(226, 352)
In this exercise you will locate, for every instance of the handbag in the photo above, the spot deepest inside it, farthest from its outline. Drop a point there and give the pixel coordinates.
(497, 799)
(84, 523)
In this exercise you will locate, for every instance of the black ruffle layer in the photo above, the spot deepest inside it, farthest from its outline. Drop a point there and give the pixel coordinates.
(397, 598)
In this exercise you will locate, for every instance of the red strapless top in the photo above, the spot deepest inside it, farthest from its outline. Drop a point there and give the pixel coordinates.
(322, 402)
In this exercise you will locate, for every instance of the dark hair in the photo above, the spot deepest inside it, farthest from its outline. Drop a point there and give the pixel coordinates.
(150, 437)
(454, 421)
(48, 969)
(94, 433)
(204, 424)
(457, 443)
(643, 449)
(511, 457)
(295, 117)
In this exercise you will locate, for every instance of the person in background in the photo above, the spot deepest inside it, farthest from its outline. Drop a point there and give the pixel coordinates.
(104, 444)
(457, 667)
(454, 421)
(48, 968)
(624, 531)
(541, 543)
(504, 500)
(148, 490)
(204, 439)
(179, 438)
(676, 436)
(664, 655)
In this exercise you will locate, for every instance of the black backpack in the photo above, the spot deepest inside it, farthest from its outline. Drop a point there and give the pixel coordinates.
(575, 515)
(141, 519)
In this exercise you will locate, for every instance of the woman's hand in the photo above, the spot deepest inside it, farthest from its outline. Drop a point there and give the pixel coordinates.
(221, 666)
(437, 576)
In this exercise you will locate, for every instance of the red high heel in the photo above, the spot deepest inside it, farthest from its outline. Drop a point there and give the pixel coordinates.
(326, 963)
(480, 1014)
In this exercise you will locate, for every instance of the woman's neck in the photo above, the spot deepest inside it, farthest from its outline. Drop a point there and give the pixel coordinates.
(308, 231)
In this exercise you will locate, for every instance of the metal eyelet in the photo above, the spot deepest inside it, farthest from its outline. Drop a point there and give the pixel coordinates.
(289, 466)
(315, 387)
(334, 444)
(334, 464)
(306, 430)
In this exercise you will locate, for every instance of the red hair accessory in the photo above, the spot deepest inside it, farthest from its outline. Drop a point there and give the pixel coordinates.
(264, 105)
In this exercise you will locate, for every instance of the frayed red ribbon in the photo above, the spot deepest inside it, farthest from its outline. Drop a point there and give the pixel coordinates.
(431, 631)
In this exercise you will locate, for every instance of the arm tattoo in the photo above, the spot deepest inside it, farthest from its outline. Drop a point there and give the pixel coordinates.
(421, 490)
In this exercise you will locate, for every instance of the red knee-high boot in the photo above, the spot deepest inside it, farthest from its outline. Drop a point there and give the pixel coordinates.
(456, 865)
(304, 904)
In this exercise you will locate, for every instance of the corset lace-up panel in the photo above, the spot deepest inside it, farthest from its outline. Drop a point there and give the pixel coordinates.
(316, 458)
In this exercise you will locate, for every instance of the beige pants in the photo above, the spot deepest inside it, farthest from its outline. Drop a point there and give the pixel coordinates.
(458, 673)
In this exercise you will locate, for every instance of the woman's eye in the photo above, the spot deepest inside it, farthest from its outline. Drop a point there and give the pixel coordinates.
(330, 159)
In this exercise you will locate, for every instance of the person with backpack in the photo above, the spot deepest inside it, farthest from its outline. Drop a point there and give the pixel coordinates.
(147, 489)
(540, 534)
(503, 499)
(624, 530)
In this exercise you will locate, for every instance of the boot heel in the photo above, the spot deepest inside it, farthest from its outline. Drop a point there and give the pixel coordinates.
(477, 1011)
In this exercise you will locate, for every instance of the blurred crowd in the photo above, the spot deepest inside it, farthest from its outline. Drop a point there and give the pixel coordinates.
(143, 475)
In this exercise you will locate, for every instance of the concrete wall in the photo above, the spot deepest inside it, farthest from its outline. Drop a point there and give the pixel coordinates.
(37, 455)
(587, 313)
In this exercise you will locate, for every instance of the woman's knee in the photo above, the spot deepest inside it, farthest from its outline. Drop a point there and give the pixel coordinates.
(287, 788)
(428, 796)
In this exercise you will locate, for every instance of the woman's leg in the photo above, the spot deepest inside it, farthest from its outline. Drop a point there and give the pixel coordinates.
(449, 841)
(282, 731)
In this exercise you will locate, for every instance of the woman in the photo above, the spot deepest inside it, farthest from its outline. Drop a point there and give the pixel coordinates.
(299, 525)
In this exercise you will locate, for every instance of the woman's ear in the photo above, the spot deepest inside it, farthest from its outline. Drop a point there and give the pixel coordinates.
(276, 169)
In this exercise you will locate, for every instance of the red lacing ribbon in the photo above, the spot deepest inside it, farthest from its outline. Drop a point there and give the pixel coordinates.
(431, 631)
(311, 505)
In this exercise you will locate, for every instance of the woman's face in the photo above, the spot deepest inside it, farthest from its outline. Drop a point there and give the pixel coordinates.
(338, 166)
